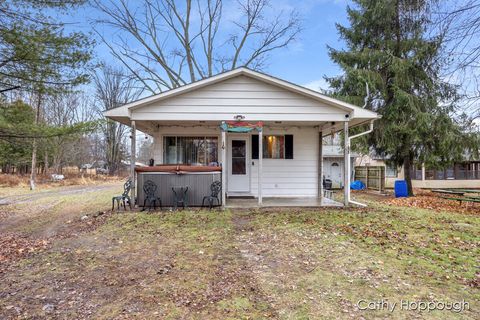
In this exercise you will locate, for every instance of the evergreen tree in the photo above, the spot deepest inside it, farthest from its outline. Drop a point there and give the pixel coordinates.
(18, 129)
(389, 51)
(15, 148)
(38, 56)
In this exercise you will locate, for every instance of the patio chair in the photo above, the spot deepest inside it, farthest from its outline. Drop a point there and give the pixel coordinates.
(124, 196)
(180, 195)
(215, 188)
(327, 183)
(149, 189)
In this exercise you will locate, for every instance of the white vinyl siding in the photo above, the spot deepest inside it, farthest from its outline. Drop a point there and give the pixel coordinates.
(252, 98)
(297, 177)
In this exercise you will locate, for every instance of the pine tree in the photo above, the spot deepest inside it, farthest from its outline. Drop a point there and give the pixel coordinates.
(38, 56)
(389, 51)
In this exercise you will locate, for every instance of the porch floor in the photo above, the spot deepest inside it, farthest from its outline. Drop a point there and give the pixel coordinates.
(282, 202)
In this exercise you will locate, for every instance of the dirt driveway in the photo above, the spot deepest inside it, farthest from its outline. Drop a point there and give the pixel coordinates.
(60, 191)
(56, 212)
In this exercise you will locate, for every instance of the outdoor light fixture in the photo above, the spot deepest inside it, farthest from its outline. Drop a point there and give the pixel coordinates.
(239, 117)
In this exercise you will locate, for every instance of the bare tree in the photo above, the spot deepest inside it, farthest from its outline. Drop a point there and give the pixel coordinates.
(64, 110)
(145, 151)
(167, 43)
(459, 23)
(113, 89)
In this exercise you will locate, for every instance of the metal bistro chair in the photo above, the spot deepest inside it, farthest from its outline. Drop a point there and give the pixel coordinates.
(215, 188)
(124, 196)
(149, 189)
(327, 183)
(327, 188)
(180, 195)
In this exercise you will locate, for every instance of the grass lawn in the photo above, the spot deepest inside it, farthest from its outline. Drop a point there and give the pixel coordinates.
(246, 264)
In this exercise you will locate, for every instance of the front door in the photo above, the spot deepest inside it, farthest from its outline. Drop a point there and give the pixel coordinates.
(238, 164)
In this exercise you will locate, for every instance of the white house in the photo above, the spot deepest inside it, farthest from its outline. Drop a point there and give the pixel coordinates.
(333, 164)
(195, 125)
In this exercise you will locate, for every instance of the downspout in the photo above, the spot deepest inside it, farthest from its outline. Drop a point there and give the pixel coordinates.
(348, 165)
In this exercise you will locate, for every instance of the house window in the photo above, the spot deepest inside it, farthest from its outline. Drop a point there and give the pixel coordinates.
(391, 171)
(274, 147)
(450, 173)
(196, 151)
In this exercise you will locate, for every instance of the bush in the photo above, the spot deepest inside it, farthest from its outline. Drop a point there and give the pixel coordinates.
(12, 180)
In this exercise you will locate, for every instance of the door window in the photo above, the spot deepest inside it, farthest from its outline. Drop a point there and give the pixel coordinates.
(239, 160)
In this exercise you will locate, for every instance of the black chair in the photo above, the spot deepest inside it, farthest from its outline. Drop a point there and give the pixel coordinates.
(180, 195)
(327, 183)
(215, 188)
(149, 189)
(124, 196)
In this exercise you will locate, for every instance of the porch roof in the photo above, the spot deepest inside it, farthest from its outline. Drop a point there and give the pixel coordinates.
(254, 95)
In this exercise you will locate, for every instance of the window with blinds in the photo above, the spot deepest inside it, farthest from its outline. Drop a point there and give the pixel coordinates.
(195, 151)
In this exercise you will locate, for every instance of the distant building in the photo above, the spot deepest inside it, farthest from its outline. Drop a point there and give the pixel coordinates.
(461, 175)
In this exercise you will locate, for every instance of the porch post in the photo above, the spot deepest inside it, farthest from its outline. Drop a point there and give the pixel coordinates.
(224, 168)
(260, 165)
(320, 165)
(133, 159)
(346, 160)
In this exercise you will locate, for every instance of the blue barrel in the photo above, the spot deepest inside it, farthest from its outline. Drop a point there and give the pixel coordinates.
(401, 189)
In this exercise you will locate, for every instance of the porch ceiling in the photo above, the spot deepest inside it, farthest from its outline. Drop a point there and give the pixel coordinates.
(151, 126)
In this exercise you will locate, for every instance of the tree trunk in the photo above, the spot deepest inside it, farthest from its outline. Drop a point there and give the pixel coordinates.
(45, 160)
(33, 173)
(407, 167)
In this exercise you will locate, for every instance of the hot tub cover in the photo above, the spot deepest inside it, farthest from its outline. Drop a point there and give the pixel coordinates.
(179, 169)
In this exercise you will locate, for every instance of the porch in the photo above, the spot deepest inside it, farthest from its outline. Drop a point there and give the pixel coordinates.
(288, 173)
(271, 202)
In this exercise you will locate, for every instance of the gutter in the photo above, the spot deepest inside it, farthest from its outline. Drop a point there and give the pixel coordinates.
(348, 164)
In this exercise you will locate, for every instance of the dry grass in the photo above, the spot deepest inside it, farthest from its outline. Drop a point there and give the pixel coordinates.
(259, 264)
(13, 180)
(13, 185)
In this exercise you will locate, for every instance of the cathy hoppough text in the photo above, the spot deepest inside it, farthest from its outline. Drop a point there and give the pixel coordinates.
(383, 304)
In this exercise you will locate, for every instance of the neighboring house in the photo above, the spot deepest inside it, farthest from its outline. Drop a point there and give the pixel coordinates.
(224, 121)
(333, 164)
(460, 175)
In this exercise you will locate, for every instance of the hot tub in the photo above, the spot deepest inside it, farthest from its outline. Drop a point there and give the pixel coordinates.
(197, 178)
